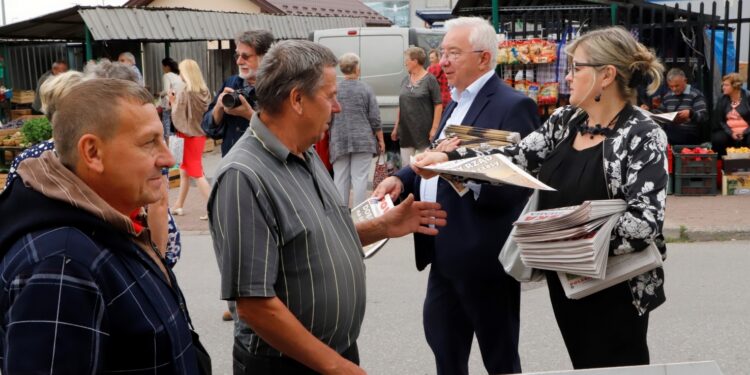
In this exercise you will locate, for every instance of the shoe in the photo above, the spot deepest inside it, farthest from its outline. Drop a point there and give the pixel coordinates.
(204, 217)
(226, 316)
(178, 211)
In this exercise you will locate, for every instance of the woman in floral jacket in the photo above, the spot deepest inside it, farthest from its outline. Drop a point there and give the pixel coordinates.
(601, 147)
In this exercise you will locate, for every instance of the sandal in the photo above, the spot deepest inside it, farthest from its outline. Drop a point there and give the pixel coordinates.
(204, 217)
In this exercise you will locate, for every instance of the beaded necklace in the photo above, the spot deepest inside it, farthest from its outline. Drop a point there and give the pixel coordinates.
(598, 129)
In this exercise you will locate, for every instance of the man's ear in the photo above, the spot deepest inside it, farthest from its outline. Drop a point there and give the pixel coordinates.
(90, 153)
(295, 100)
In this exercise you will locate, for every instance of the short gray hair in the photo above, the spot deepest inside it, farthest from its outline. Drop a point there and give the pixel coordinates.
(675, 73)
(108, 69)
(90, 111)
(348, 62)
(482, 36)
(259, 40)
(288, 65)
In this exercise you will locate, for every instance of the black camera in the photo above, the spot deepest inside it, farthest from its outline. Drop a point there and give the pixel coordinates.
(232, 99)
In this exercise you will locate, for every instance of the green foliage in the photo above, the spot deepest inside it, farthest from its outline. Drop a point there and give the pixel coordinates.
(36, 130)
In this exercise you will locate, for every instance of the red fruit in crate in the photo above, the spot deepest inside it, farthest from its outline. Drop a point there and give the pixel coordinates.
(687, 150)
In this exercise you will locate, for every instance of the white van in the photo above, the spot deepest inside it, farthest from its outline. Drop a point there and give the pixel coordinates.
(381, 52)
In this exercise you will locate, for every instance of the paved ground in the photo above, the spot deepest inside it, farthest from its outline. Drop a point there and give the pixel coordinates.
(705, 317)
(703, 218)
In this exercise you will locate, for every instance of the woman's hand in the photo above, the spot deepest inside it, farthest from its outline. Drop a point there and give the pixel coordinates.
(448, 144)
(394, 134)
(426, 159)
(381, 146)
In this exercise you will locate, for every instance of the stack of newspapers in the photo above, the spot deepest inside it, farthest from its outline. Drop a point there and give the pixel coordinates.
(574, 241)
(474, 137)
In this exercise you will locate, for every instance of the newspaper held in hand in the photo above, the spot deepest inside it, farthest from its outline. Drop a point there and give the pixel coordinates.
(495, 168)
(662, 118)
(370, 209)
(619, 269)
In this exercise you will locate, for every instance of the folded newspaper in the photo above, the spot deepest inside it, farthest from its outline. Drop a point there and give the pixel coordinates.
(619, 269)
(370, 209)
(476, 137)
(664, 118)
(495, 168)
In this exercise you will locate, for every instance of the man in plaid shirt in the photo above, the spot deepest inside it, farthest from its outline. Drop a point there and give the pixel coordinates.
(83, 290)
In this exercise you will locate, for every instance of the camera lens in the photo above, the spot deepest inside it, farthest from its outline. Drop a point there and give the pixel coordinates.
(230, 100)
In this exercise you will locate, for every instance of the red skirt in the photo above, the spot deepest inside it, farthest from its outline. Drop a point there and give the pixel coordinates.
(192, 157)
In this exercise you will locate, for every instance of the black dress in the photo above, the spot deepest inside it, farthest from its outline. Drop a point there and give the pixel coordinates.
(603, 329)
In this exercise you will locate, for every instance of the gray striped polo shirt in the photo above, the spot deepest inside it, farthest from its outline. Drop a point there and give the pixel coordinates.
(281, 229)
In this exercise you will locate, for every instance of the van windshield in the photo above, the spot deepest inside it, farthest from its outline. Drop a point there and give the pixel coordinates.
(429, 41)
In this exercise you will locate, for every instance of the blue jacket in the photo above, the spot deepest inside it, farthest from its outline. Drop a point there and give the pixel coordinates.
(231, 127)
(476, 229)
(78, 296)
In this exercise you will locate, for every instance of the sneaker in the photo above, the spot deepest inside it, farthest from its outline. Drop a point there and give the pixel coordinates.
(204, 217)
(226, 316)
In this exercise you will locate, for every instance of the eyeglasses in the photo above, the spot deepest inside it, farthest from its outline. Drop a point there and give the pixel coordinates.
(454, 55)
(244, 56)
(575, 65)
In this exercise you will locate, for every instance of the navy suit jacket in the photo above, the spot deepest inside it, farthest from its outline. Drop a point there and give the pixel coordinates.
(477, 228)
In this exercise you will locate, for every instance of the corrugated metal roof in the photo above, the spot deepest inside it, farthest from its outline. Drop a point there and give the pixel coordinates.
(183, 24)
(335, 8)
(161, 24)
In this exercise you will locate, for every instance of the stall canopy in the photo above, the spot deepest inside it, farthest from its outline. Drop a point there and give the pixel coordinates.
(164, 24)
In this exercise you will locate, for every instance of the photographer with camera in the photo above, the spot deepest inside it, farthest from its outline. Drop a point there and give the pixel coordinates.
(229, 114)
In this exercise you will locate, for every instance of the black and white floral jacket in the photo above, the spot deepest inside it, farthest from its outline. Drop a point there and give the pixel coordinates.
(635, 165)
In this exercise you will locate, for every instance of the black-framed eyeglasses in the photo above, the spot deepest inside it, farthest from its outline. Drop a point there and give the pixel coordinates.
(244, 56)
(575, 65)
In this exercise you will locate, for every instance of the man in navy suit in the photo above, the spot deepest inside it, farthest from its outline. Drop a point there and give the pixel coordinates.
(468, 293)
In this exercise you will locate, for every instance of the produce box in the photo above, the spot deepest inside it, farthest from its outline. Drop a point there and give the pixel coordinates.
(209, 145)
(174, 178)
(7, 154)
(23, 97)
(736, 165)
(737, 153)
(735, 185)
(694, 163)
(3, 177)
(17, 113)
(695, 185)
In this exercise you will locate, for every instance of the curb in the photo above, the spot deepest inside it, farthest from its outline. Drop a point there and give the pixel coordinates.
(672, 234)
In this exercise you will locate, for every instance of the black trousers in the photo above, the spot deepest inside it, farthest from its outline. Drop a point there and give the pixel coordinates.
(600, 330)
(246, 363)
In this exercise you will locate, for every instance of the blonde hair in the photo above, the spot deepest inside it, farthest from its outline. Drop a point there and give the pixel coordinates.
(55, 88)
(735, 79)
(633, 61)
(348, 63)
(191, 74)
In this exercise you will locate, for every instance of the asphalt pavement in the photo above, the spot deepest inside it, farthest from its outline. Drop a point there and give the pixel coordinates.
(704, 318)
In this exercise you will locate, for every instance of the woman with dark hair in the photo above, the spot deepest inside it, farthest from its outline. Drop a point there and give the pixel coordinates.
(731, 116)
(170, 82)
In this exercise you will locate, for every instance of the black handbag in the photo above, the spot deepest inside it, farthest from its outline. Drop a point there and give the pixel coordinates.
(201, 355)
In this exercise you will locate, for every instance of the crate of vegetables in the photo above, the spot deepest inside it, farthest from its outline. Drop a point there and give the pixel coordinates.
(694, 160)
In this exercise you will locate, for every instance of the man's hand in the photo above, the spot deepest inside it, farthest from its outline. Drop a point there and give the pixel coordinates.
(346, 368)
(244, 110)
(381, 146)
(426, 159)
(413, 217)
(682, 116)
(643, 106)
(394, 134)
(391, 185)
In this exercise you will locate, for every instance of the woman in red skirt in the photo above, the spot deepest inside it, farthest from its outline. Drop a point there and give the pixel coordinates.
(188, 107)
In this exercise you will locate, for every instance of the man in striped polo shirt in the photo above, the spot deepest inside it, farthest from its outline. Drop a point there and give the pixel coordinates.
(288, 251)
(690, 106)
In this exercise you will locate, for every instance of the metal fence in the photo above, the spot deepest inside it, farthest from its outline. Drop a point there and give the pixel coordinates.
(24, 64)
(684, 37)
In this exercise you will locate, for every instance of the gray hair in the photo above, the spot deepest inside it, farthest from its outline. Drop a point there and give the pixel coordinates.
(128, 56)
(288, 65)
(416, 53)
(259, 40)
(675, 73)
(108, 69)
(348, 63)
(482, 36)
(635, 64)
